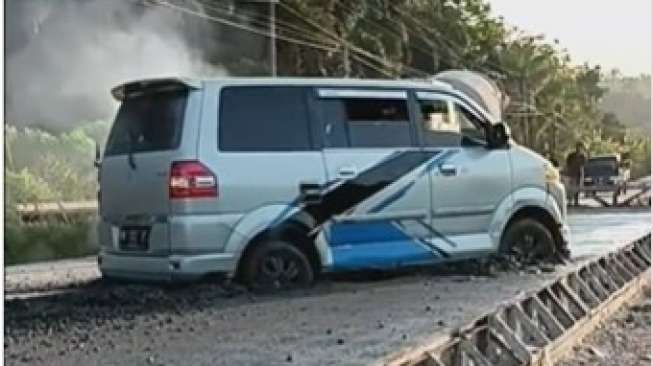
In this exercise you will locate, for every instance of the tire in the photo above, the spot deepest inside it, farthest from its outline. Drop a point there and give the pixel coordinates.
(530, 241)
(276, 265)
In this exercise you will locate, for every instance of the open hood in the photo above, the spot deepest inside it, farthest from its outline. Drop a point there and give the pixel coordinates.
(479, 88)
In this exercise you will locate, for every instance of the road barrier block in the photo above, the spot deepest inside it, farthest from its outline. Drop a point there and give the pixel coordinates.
(539, 328)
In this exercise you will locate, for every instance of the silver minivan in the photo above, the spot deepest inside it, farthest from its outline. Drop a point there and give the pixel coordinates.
(275, 180)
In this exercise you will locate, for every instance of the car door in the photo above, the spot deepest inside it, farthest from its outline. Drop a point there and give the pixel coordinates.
(469, 181)
(378, 199)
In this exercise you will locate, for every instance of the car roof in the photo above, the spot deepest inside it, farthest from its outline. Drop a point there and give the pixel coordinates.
(336, 82)
(309, 81)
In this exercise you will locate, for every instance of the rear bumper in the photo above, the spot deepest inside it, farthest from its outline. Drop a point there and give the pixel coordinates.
(166, 268)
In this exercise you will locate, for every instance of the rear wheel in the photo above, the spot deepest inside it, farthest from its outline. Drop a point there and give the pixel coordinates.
(277, 265)
(529, 241)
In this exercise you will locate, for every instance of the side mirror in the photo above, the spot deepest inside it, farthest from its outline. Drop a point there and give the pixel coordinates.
(98, 156)
(499, 135)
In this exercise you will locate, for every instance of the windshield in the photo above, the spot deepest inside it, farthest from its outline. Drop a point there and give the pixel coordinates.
(150, 122)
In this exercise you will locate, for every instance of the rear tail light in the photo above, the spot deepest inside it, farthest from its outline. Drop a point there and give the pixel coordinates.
(191, 179)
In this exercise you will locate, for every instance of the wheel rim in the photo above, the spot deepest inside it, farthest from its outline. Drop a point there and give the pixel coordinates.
(279, 269)
(528, 247)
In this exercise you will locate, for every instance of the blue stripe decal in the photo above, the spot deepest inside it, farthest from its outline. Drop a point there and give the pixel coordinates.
(434, 248)
(379, 245)
(381, 255)
(360, 233)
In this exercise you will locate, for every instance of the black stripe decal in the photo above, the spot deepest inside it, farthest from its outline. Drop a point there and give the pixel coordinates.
(367, 183)
(434, 248)
(436, 233)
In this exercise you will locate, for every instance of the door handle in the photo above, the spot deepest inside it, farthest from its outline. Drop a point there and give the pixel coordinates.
(347, 172)
(448, 169)
(310, 192)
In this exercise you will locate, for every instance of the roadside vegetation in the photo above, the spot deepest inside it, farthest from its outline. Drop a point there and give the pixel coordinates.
(45, 167)
(554, 103)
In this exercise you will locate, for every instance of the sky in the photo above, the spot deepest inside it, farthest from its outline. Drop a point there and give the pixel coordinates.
(613, 34)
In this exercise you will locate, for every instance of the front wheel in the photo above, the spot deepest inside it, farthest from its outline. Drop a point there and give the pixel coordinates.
(277, 265)
(529, 241)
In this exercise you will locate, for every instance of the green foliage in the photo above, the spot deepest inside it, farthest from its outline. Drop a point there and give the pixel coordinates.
(46, 167)
(24, 186)
(42, 167)
(29, 243)
(629, 98)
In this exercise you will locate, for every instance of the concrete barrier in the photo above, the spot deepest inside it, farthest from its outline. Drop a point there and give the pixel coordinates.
(540, 327)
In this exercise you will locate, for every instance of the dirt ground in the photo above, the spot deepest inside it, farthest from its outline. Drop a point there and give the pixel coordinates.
(337, 323)
(341, 321)
(623, 340)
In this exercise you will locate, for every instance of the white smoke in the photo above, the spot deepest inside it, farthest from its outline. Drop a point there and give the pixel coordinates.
(75, 51)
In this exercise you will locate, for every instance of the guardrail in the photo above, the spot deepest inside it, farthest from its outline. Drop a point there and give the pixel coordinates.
(640, 192)
(538, 329)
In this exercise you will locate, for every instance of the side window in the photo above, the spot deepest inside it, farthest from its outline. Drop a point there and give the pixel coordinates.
(366, 122)
(264, 119)
(334, 123)
(470, 126)
(445, 123)
(439, 124)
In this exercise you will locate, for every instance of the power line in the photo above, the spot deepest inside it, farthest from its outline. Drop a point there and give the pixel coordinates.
(439, 36)
(390, 31)
(351, 46)
(305, 33)
(239, 26)
(255, 17)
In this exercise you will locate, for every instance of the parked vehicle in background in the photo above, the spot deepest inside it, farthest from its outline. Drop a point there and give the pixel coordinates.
(273, 181)
(606, 172)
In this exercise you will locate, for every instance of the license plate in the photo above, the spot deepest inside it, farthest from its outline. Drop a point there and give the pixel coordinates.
(134, 238)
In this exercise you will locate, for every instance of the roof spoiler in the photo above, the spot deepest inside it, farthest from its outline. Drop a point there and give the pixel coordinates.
(141, 87)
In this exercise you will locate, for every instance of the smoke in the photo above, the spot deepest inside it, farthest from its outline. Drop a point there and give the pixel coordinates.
(64, 56)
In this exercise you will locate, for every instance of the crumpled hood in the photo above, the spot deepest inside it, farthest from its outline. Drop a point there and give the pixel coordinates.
(480, 88)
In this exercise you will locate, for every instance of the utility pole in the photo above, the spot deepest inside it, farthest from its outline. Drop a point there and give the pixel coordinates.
(273, 38)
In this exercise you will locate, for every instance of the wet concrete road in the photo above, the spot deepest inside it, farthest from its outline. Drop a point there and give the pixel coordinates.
(343, 322)
(595, 231)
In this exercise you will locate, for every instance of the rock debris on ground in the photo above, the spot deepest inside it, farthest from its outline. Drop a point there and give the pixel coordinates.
(622, 340)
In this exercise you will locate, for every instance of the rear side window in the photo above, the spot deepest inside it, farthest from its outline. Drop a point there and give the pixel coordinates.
(264, 119)
(362, 122)
(151, 122)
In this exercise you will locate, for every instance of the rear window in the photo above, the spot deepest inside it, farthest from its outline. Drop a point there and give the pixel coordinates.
(264, 119)
(148, 123)
(601, 166)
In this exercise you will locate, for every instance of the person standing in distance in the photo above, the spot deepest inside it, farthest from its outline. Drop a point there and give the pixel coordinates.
(575, 165)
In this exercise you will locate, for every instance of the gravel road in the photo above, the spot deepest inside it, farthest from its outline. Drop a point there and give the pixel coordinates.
(338, 322)
(623, 340)
(70, 273)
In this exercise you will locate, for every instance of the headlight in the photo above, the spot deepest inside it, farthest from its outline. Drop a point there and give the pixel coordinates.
(551, 174)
